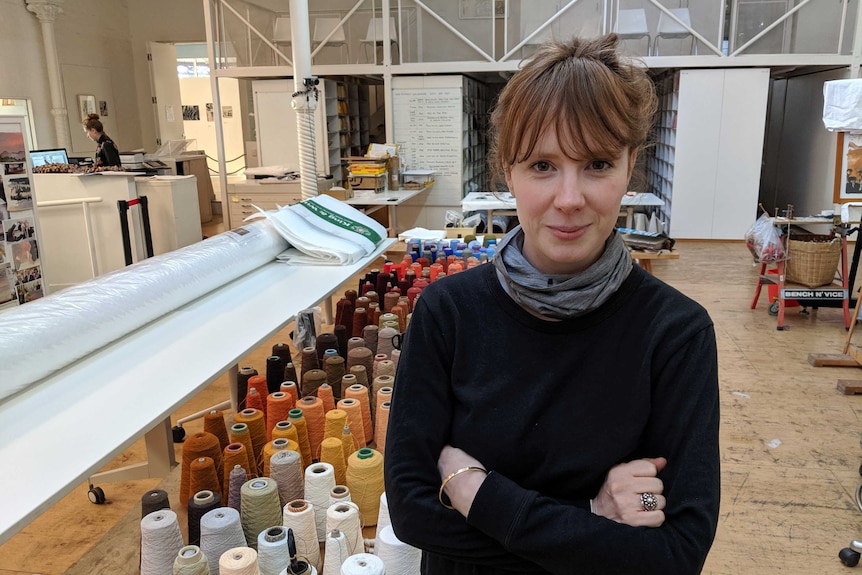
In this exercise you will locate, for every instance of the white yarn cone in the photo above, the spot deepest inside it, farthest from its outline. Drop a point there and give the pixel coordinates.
(398, 557)
(363, 564)
(161, 540)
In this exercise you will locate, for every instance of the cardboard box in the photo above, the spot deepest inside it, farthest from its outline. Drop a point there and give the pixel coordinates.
(377, 183)
(394, 167)
(338, 193)
(460, 232)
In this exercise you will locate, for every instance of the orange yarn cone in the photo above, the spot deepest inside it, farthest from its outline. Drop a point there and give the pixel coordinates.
(332, 452)
(312, 410)
(298, 420)
(324, 392)
(201, 444)
(354, 419)
(234, 454)
(360, 394)
(202, 476)
(335, 422)
(278, 405)
(239, 434)
(348, 442)
(214, 423)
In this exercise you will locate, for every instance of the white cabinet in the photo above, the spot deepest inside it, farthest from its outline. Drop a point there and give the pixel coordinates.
(66, 250)
(245, 197)
(172, 202)
(720, 125)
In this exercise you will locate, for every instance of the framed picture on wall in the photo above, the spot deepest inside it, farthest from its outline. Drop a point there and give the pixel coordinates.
(86, 105)
(848, 168)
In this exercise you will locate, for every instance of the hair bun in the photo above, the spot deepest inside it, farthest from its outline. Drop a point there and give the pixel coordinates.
(92, 116)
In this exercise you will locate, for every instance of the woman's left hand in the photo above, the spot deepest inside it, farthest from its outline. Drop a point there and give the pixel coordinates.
(462, 488)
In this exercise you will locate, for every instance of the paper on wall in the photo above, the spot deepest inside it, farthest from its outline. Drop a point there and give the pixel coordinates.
(842, 105)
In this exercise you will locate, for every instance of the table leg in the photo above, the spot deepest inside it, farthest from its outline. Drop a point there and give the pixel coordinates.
(630, 217)
(393, 221)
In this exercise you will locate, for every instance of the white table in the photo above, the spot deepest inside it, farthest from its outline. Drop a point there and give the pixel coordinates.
(390, 199)
(61, 430)
(504, 203)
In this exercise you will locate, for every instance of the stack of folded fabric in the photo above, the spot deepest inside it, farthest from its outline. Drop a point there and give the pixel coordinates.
(325, 231)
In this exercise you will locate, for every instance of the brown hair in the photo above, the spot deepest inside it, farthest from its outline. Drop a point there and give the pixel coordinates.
(597, 102)
(92, 121)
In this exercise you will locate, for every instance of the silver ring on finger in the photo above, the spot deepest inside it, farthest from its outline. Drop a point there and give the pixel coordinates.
(649, 501)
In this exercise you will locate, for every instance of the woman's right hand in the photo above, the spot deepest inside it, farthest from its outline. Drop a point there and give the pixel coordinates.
(619, 498)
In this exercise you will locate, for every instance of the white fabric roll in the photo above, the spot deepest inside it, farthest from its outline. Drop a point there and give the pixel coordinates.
(50, 333)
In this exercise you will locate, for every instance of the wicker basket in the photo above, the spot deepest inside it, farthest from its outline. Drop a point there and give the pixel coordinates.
(812, 259)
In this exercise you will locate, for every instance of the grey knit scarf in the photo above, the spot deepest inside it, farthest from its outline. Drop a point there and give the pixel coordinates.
(561, 296)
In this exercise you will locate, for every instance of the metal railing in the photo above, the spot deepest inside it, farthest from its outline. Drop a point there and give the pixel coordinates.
(434, 32)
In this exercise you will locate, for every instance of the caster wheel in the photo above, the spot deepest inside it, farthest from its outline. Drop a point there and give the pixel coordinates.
(179, 434)
(97, 496)
(773, 308)
(849, 557)
(860, 469)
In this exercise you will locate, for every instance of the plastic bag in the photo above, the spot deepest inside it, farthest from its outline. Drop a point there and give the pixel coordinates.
(764, 241)
(307, 328)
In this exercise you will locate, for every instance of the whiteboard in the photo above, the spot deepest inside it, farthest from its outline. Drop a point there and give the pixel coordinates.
(428, 131)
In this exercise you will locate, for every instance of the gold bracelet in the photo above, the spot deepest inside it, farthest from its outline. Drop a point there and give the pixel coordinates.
(449, 478)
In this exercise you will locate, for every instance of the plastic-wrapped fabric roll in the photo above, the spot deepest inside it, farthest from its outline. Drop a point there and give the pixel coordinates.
(49, 333)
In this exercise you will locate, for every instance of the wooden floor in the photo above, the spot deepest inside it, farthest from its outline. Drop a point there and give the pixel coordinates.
(790, 444)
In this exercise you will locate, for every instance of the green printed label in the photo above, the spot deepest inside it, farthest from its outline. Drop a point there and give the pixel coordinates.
(342, 221)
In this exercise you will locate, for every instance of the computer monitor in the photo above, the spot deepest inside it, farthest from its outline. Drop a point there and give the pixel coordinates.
(53, 156)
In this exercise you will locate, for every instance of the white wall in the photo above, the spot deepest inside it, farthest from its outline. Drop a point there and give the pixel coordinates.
(101, 47)
(25, 75)
(197, 92)
(158, 21)
(805, 170)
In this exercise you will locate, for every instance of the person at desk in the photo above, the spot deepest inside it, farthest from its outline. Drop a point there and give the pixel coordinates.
(107, 153)
(557, 411)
